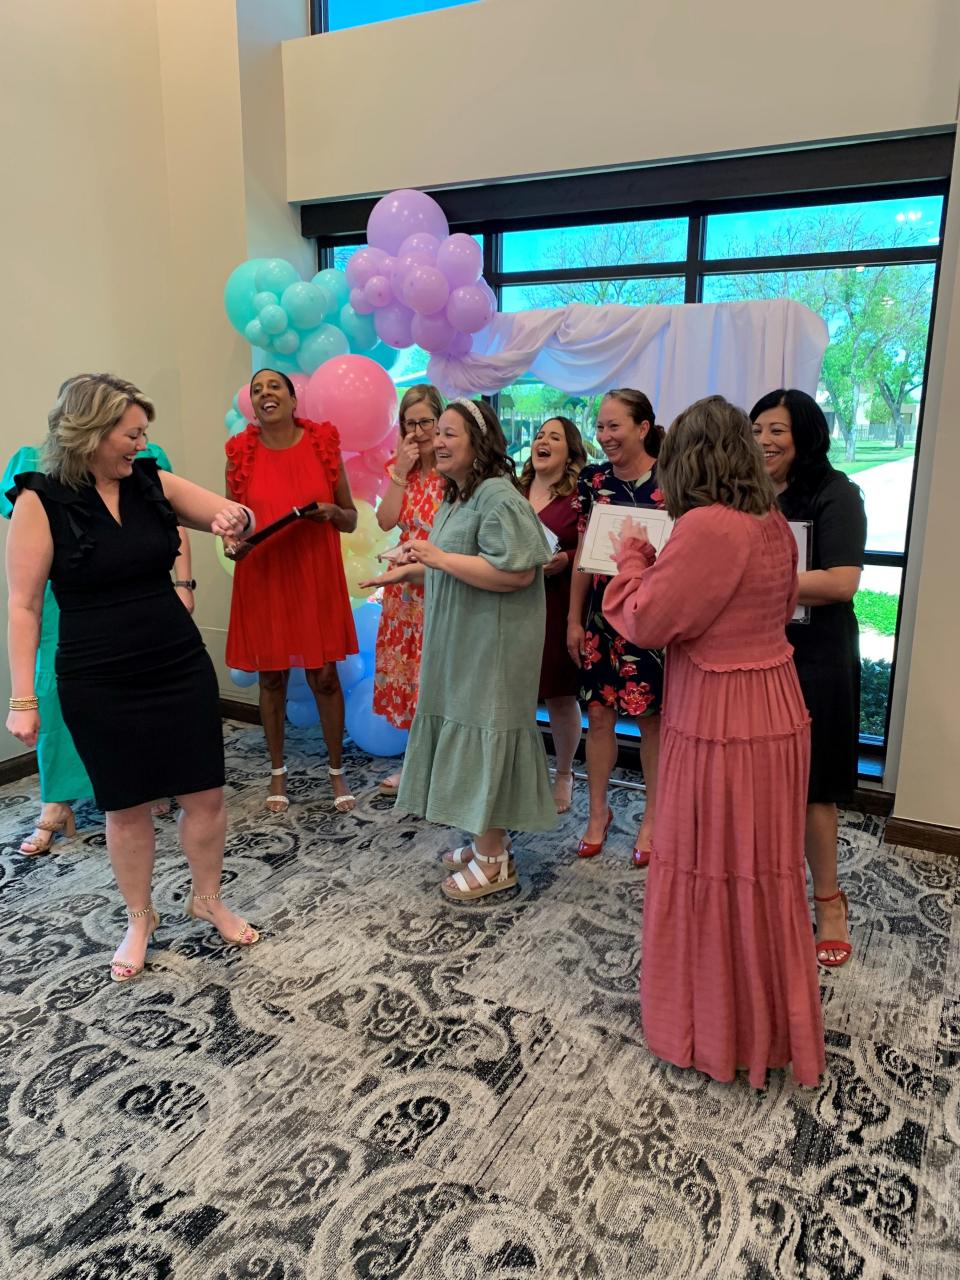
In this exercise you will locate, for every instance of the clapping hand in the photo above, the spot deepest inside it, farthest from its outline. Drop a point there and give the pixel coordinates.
(231, 522)
(628, 529)
(399, 573)
(426, 553)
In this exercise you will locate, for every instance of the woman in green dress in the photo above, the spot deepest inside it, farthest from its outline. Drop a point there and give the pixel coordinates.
(475, 758)
(63, 779)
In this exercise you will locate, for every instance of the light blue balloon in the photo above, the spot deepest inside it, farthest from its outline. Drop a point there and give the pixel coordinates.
(307, 305)
(351, 671)
(273, 318)
(372, 733)
(255, 335)
(320, 345)
(385, 356)
(234, 421)
(266, 359)
(366, 619)
(302, 713)
(243, 679)
(360, 330)
(335, 282)
(287, 342)
(265, 299)
(239, 292)
(275, 274)
(297, 686)
(369, 657)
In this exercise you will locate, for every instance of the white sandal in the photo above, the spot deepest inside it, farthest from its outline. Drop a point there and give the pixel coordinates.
(277, 804)
(464, 892)
(461, 857)
(342, 804)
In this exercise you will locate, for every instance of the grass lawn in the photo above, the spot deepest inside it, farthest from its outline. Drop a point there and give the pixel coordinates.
(870, 453)
(876, 610)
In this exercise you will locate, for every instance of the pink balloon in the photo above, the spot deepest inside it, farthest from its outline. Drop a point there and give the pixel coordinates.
(420, 242)
(461, 346)
(434, 333)
(245, 404)
(400, 214)
(402, 264)
(363, 483)
(358, 396)
(392, 324)
(375, 460)
(460, 259)
(378, 291)
(358, 300)
(425, 289)
(469, 308)
(365, 263)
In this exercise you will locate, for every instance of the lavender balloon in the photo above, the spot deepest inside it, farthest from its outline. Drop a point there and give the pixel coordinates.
(421, 242)
(365, 263)
(461, 346)
(460, 259)
(469, 308)
(378, 291)
(425, 289)
(358, 300)
(434, 333)
(400, 214)
(400, 265)
(392, 323)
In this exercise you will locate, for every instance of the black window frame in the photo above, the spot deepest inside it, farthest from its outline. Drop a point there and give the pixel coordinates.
(901, 168)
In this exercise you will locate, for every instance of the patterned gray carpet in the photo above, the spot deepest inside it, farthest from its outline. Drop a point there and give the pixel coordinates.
(390, 1086)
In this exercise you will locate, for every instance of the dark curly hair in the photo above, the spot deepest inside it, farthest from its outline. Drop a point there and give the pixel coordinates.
(811, 436)
(490, 448)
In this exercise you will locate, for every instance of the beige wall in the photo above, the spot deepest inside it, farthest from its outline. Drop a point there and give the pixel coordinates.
(539, 86)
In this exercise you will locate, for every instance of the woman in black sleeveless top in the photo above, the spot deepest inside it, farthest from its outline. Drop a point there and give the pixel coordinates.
(137, 688)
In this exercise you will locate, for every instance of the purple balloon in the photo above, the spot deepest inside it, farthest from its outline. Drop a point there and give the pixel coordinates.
(377, 291)
(460, 259)
(425, 289)
(461, 346)
(392, 324)
(482, 284)
(421, 242)
(401, 265)
(469, 308)
(433, 333)
(358, 300)
(365, 263)
(400, 214)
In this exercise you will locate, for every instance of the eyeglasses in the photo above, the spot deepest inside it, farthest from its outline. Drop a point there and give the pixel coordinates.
(421, 424)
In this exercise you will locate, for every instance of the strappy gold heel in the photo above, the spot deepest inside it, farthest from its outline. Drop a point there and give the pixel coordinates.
(123, 970)
(248, 934)
(280, 803)
(342, 804)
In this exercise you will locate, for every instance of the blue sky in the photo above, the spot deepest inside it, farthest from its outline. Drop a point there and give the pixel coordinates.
(357, 13)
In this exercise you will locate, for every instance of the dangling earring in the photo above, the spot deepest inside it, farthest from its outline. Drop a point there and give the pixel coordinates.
(477, 465)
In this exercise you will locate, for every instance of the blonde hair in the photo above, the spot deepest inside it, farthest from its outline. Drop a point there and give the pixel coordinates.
(576, 459)
(423, 392)
(709, 455)
(88, 407)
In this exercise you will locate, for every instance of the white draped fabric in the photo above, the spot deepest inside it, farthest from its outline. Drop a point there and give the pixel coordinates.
(675, 354)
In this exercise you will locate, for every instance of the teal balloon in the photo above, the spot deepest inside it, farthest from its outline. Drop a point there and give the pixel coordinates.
(273, 318)
(307, 305)
(234, 421)
(360, 330)
(265, 299)
(267, 359)
(239, 292)
(275, 274)
(320, 345)
(335, 282)
(255, 334)
(385, 356)
(286, 343)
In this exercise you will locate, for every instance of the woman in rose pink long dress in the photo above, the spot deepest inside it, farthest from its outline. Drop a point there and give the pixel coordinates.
(728, 976)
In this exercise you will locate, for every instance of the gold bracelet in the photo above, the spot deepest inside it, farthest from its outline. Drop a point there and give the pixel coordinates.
(24, 704)
(397, 480)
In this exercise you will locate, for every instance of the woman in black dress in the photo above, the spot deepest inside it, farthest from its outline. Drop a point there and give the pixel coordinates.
(137, 688)
(616, 678)
(792, 431)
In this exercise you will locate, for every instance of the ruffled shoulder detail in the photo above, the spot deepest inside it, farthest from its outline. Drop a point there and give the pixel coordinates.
(325, 441)
(240, 450)
(147, 476)
(71, 503)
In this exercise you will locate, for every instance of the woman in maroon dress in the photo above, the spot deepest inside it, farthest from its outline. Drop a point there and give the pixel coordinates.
(549, 479)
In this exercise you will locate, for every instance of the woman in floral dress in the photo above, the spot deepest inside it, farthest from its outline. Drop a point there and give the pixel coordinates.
(618, 679)
(411, 503)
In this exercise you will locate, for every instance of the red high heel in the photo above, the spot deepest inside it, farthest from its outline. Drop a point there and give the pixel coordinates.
(640, 857)
(587, 849)
(825, 944)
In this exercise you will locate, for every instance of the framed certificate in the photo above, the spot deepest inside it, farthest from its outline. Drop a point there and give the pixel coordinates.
(596, 555)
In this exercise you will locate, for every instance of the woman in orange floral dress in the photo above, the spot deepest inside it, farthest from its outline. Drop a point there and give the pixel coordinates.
(411, 502)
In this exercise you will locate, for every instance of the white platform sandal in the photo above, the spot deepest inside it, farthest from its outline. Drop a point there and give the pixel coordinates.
(459, 889)
(461, 857)
(342, 804)
(277, 804)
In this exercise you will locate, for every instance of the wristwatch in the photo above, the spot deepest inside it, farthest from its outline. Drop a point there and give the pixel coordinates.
(189, 583)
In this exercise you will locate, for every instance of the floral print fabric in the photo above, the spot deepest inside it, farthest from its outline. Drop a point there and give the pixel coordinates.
(615, 672)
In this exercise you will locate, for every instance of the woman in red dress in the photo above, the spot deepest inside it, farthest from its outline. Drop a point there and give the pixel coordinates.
(549, 479)
(290, 606)
(416, 489)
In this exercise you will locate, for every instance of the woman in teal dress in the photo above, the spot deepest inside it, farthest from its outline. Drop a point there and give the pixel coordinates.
(475, 759)
(63, 779)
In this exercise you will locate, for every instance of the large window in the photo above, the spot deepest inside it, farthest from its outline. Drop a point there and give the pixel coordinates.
(336, 15)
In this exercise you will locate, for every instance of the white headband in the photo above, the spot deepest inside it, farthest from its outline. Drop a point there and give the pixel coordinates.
(474, 410)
